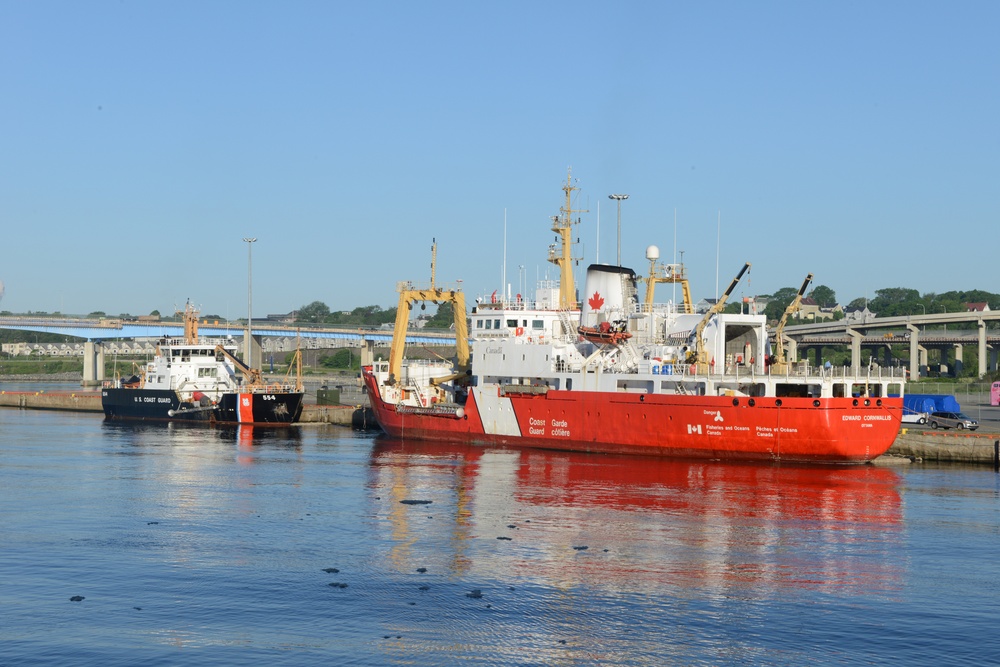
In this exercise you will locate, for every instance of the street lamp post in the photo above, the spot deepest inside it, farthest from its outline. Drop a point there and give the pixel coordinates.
(619, 199)
(249, 240)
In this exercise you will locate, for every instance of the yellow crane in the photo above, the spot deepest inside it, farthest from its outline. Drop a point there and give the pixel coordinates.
(408, 295)
(780, 365)
(701, 361)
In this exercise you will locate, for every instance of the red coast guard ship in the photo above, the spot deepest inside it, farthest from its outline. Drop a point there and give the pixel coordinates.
(628, 376)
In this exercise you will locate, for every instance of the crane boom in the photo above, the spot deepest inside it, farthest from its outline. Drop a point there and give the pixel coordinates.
(779, 332)
(700, 355)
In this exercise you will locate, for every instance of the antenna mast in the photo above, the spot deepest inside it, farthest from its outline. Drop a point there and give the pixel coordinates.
(563, 226)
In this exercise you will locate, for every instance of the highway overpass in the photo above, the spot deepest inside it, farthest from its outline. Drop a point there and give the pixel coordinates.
(909, 330)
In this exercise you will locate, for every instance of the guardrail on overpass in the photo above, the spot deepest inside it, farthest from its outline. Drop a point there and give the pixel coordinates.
(118, 328)
(859, 333)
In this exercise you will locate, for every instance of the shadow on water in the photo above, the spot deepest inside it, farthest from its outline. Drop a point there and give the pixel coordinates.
(157, 433)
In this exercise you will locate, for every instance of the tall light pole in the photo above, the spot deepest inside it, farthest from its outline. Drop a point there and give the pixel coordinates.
(249, 240)
(619, 199)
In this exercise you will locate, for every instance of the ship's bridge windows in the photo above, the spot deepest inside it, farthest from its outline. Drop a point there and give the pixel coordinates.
(866, 389)
(207, 372)
(792, 390)
(537, 325)
(511, 324)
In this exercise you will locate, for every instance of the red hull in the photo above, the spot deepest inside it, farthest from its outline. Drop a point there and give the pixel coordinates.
(832, 430)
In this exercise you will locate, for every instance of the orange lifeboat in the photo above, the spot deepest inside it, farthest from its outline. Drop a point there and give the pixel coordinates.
(605, 333)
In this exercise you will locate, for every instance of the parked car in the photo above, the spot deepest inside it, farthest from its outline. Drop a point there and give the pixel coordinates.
(957, 420)
(912, 417)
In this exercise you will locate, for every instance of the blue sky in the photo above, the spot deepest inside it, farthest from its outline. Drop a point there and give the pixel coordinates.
(142, 141)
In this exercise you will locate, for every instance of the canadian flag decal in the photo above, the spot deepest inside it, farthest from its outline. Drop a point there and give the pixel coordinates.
(596, 301)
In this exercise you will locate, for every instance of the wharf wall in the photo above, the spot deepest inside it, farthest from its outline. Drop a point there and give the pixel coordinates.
(945, 446)
(90, 401)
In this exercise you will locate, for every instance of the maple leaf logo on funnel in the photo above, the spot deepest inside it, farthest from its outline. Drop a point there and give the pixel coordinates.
(596, 301)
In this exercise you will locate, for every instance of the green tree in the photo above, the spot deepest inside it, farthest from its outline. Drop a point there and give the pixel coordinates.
(824, 296)
(342, 358)
(779, 301)
(443, 318)
(313, 313)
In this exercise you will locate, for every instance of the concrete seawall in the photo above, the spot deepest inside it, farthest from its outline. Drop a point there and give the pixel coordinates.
(945, 446)
(90, 401)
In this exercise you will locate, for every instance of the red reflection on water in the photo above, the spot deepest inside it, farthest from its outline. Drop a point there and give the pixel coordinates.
(244, 444)
(649, 521)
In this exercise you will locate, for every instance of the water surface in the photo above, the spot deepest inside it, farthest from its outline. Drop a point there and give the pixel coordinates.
(209, 546)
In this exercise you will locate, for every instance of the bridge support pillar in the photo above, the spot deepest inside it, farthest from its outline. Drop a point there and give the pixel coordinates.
(367, 352)
(982, 348)
(93, 364)
(915, 352)
(252, 350)
(855, 349)
(791, 350)
(958, 360)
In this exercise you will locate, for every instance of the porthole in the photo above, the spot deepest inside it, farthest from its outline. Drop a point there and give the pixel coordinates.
(751, 403)
(854, 402)
(777, 402)
(736, 402)
(816, 403)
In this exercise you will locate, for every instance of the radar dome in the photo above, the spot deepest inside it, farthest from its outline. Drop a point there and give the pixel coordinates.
(652, 253)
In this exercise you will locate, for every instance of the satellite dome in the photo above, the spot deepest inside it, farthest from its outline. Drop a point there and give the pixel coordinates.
(652, 253)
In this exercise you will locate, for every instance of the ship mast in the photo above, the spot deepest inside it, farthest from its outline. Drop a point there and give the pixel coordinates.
(563, 226)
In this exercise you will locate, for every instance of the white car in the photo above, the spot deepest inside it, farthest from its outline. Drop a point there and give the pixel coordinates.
(910, 417)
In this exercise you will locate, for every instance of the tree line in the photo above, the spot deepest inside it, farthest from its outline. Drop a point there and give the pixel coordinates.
(373, 316)
(887, 302)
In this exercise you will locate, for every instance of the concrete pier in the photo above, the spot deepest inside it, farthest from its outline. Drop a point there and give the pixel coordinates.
(945, 446)
(90, 401)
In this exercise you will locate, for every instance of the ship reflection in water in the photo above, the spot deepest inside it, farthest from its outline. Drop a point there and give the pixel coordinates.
(639, 525)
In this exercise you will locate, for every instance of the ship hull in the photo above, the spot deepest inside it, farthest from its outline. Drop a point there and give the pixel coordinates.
(231, 408)
(828, 430)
